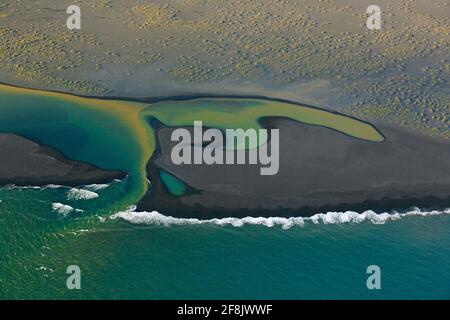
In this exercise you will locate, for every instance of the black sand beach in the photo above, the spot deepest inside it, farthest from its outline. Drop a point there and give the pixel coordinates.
(320, 170)
(24, 163)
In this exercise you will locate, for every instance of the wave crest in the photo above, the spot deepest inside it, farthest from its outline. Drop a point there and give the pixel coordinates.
(96, 187)
(62, 208)
(81, 194)
(156, 218)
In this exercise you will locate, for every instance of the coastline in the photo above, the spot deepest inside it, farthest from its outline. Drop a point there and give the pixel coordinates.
(29, 163)
(212, 195)
(156, 200)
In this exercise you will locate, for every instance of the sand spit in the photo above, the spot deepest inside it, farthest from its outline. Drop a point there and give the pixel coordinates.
(321, 170)
(25, 163)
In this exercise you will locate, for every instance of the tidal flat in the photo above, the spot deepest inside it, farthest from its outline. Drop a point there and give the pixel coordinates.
(320, 54)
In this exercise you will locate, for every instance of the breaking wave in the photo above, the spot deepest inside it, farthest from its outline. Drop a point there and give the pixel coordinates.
(89, 187)
(96, 187)
(63, 209)
(156, 218)
(81, 194)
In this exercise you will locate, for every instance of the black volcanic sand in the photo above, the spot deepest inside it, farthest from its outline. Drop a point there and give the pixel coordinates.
(320, 170)
(25, 163)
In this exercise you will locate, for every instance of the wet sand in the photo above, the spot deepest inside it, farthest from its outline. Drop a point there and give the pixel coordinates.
(320, 170)
(25, 163)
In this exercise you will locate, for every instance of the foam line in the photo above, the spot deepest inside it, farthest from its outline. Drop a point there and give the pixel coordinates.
(156, 218)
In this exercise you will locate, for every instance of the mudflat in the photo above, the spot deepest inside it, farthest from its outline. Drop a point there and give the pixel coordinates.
(322, 55)
(24, 162)
(320, 170)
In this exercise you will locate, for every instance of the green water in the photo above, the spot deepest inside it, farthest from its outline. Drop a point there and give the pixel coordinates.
(175, 186)
(123, 260)
(85, 134)
(119, 260)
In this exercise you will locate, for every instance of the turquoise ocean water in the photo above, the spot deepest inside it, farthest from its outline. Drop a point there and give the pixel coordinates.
(208, 261)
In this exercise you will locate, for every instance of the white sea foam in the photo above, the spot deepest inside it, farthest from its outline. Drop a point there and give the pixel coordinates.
(53, 186)
(48, 186)
(81, 194)
(62, 208)
(156, 218)
(96, 187)
(13, 186)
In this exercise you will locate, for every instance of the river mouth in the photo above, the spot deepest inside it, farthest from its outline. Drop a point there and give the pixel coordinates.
(121, 135)
(114, 134)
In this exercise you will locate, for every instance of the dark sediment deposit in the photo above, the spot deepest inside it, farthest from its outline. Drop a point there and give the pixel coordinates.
(320, 170)
(26, 163)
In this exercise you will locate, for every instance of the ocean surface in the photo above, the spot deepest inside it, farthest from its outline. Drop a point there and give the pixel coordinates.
(146, 255)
